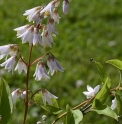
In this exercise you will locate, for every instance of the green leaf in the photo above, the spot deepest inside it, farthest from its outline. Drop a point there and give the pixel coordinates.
(6, 105)
(119, 104)
(78, 116)
(69, 117)
(54, 108)
(106, 110)
(115, 62)
(103, 93)
(101, 71)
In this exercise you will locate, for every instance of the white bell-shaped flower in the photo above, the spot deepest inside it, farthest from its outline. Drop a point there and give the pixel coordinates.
(51, 26)
(91, 92)
(48, 8)
(54, 65)
(15, 95)
(114, 104)
(47, 96)
(21, 67)
(40, 72)
(56, 3)
(21, 30)
(9, 63)
(10, 49)
(37, 38)
(27, 36)
(34, 14)
(56, 16)
(66, 7)
(47, 39)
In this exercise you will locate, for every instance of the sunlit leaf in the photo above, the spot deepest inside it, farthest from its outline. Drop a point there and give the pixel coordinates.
(6, 105)
(106, 110)
(115, 62)
(103, 93)
(78, 116)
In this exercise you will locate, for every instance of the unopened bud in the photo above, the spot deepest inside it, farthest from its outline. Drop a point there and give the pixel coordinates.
(23, 95)
(39, 122)
(65, 7)
(44, 117)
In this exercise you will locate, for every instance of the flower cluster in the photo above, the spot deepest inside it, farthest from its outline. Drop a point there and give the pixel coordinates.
(40, 33)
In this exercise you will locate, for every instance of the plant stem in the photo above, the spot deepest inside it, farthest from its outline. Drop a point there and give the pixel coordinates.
(76, 107)
(27, 80)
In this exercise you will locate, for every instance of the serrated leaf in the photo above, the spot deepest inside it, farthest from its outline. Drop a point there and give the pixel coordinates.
(119, 104)
(103, 93)
(6, 105)
(115, 62)
(101, 71)
(78, 116)
(106, 110)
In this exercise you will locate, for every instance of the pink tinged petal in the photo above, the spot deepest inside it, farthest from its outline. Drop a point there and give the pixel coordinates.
(96, 89)
(90, 89)
(65, 7)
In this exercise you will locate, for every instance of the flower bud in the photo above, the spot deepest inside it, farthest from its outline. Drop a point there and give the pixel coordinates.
(44, 117)
(39, 122)
(65, 7)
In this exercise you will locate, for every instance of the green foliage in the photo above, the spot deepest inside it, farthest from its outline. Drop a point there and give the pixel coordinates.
(54, 108)
(103, 93)
(115, 62)
(6, 105)
(73, 116)
(119, 104)
(106, 110)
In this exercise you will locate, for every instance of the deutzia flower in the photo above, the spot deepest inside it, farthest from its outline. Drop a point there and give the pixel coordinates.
(91, 92)
(37, 38)
(21, 30)
(10, 49)
(47, 96)
(15, 94)
(9, 64)
(66, 7)
(51, 26)
(40, 72)
(47, 39)
(34, 14)
(21, 66)
(49, 8)
(56, 16)
(54, 65)
(27, 36)
(114, 104)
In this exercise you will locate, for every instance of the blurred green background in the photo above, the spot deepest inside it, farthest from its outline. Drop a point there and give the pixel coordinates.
(92, 29)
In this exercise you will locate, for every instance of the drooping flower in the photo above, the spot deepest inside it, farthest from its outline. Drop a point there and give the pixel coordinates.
(114, 104)
(37, 38)
(23, 94)
(10, 49)
(54, 65)
(51, 26)
(91, 92)
(47, 39)
(49, 8)
(9, 63)
(15, 94)
(47, 96)
(66, 7)
(40, 72)
(27, 36)
(21, 67)
(34, 14)
(21, 30)
(56, 16)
